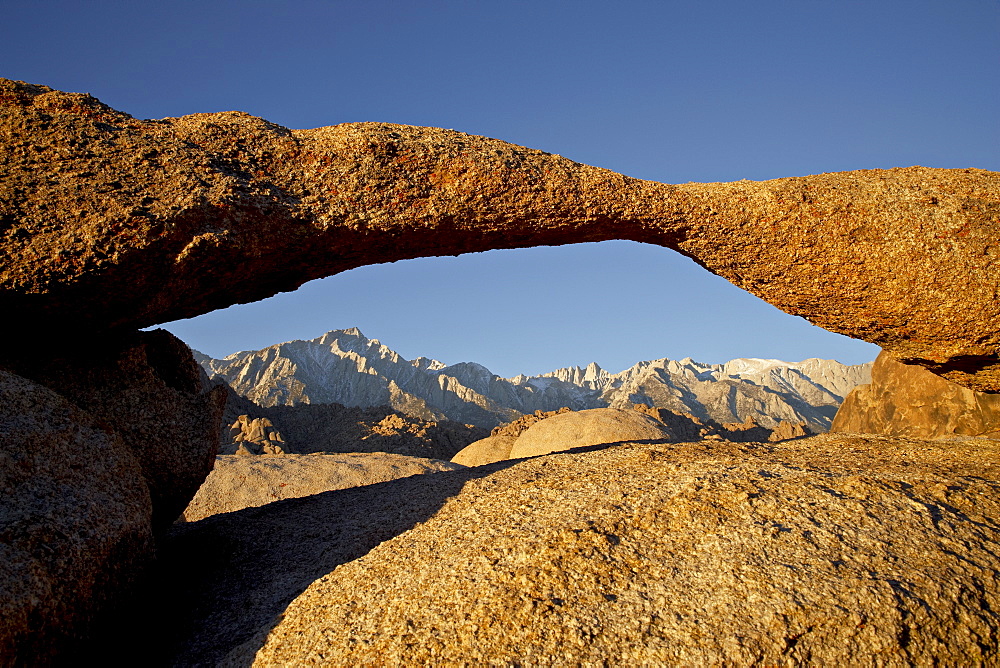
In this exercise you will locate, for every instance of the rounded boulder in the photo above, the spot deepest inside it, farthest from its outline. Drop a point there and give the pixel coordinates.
(591, 427)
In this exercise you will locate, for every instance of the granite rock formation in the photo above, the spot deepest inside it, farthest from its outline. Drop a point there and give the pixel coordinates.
(597, 426)
(485, 451)
(75, 522)
(148, 389)
(679, 427)
(105, 442)
(252, 436)
(325, 428)
(832, 550)
(345, 367)
(247, 482)
(497, 446)
(905, 400)
(110, 222)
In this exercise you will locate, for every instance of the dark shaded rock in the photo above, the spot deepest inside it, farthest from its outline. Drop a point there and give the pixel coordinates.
(148, 389)
(905, 400)
(318, 428)
(109, 222)
(74, 522)
(684, 426)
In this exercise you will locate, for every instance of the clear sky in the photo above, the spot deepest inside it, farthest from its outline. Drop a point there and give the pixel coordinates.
(661, 90)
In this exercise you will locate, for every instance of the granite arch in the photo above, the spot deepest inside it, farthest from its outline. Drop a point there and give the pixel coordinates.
(114, 223)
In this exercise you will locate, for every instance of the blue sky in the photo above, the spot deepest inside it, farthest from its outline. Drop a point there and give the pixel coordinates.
(668, 91)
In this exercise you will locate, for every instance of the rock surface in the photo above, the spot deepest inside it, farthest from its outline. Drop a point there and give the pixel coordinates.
(832, 551)
(485, 451)
(239, 482)
(596, 426)
(252, 436)
(905, 400)
(679, 427)
(74, 522)
(836, 549)
(173, 218)
(148, 389)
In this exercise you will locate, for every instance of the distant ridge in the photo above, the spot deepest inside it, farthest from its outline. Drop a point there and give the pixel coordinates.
(345, 367)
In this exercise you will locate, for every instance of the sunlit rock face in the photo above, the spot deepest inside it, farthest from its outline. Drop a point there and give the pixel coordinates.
(114, 222)
(904, 400)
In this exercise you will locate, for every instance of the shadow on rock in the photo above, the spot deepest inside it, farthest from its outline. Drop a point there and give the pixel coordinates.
(221, 580)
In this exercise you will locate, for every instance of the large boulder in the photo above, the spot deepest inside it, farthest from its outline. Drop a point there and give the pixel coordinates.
(904, 400)
(74, 522)
(832, 550)
(486, 450)
(591, 427)
(239, 482)
(110, 222)
(147, 388)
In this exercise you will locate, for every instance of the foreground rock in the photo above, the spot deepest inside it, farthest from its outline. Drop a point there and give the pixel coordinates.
(147, 389)
(826, 551)
(112, 222)
(75, 522)
(831, 549)
(910, 401)
(239, 482)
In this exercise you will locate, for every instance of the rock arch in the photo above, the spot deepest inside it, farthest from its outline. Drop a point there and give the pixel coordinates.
(109, 222)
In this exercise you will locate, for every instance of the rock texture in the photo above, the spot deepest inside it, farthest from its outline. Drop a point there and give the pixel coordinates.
(497, 446)
(253, 436)
(585, 430)
(832, 550)
(246, 482)
(172, 218)
(310, 428)
(836, 551)
(147, 389)
(910, 401)
(345, 367)
(592, 427)
(485, 451)
(74, 522)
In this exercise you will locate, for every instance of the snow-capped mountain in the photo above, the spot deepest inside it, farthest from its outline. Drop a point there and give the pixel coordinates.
(345, 367)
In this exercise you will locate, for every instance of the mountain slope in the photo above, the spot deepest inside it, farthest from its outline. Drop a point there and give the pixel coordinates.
(343, 366)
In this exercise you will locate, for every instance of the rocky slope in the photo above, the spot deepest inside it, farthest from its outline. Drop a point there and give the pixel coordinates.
(345, 367)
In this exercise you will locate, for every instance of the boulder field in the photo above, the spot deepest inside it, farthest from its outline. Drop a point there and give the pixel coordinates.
(109, 224)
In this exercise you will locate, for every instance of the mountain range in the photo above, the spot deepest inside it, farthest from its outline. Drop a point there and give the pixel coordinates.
(345, 367)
